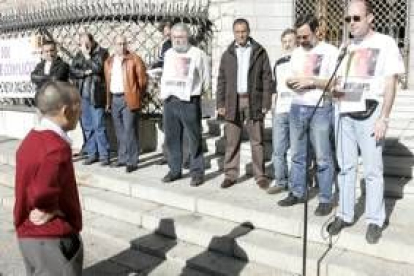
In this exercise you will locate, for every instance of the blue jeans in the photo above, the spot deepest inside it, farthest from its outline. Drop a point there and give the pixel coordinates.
(281, 144)
(352, 134)
(320, 128)
(94, 130)
(126, 130)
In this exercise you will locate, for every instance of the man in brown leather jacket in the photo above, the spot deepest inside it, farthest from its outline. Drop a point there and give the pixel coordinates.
(126, 79)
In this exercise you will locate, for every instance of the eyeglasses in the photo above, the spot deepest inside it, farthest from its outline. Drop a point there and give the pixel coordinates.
(355, 18)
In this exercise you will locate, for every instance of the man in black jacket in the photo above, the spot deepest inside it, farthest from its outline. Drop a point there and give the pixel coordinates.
(244, 88)
(87, 72)
(51, 67)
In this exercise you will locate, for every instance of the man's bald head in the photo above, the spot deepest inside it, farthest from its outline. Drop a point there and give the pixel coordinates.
(60, 102)
(120, 45)
(53, 95)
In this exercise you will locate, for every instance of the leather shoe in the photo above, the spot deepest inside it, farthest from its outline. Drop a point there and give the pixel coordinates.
(323, 209)
(227, 183)
(275, 189)
(90, 161)
(263, 183)
(131, 168)
(162, 161)
(105, 162)
(197, 180)
(117, 165)
(170, 177)
(290, 200)
(373, 233)
(336, 226)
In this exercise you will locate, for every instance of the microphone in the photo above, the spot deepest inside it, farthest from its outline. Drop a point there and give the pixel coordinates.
(343, 53)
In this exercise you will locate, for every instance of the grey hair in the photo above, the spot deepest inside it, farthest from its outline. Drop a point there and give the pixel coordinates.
(181, 27)
(54, 95)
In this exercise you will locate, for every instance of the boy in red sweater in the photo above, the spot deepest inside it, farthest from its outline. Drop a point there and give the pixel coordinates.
(47, 212)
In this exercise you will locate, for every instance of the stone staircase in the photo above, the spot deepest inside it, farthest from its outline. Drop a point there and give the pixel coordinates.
(175, 229)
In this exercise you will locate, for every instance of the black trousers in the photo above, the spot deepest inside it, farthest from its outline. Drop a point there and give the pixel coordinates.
(180, 116)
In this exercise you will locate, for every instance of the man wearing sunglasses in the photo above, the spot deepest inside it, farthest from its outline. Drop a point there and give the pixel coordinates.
(312, 63)
(365, 94)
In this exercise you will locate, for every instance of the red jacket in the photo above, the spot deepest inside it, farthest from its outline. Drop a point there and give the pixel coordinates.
(45, 180)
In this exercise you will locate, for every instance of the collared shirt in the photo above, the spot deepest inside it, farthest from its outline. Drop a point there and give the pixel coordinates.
(117, 77)
(47, 124)
(243, 62)
(48, 64)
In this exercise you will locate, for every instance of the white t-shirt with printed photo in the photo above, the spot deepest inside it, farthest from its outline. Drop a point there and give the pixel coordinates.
(364, 70)
(282, 71)
(318, 62)
(185, 74)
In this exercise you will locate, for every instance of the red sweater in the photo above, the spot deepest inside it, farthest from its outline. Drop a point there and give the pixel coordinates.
(45, 180)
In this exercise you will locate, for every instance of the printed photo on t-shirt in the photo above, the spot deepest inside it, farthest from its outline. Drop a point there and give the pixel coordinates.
(177, 77)
(362, 62)
(312, 65)
(181, 67)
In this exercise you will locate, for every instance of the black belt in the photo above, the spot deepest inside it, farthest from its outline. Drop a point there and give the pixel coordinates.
(117, 94)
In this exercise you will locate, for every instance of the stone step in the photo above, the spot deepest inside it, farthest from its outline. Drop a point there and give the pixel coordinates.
(196, 228)
(242, 202)
(174, 256)
(394, 165)
(399, 167)
(129, 260)
(232, 240)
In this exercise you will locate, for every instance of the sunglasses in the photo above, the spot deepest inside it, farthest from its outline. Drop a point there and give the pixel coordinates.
(355, 18)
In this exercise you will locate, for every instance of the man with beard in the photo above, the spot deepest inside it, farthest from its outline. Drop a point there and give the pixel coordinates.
(186, 75)
(312, 63)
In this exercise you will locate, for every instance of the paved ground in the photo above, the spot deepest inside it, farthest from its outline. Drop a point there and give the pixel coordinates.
(97, 248)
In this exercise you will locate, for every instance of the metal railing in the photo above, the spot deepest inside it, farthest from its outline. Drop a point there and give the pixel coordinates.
(138, 20)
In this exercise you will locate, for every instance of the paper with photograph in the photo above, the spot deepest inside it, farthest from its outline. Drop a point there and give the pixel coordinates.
(177, 77)
(358, 81)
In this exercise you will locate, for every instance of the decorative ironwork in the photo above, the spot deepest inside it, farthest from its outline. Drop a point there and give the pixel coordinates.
(138, 20)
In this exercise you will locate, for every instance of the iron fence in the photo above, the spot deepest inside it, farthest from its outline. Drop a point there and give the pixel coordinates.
(138, 20)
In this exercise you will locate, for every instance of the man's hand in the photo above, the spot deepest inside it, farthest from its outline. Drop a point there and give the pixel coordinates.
(221, 111)
(380, 128)
(264, 111)
(300, 83)
(86, 51)
(108, 109)
(38, 217)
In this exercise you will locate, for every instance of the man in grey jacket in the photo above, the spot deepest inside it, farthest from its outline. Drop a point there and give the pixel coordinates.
(87, 72)
(243, 97)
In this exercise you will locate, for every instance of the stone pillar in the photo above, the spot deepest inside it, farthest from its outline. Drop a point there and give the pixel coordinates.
(410, 63)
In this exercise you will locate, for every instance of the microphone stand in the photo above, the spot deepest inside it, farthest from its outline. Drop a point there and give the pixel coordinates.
(306, 131)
